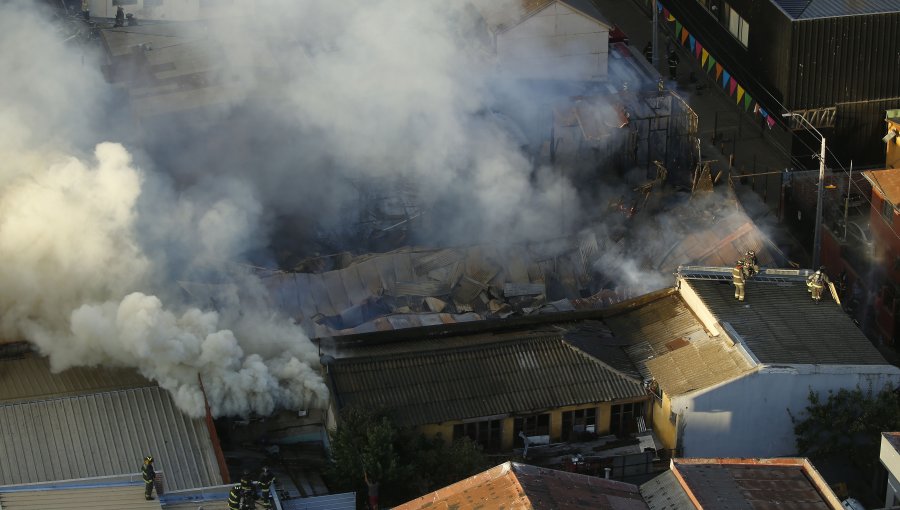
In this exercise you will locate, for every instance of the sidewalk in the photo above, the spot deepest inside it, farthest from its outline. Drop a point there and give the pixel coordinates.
(736, 143)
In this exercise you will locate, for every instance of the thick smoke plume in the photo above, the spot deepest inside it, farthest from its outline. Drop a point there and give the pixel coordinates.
(86, 269)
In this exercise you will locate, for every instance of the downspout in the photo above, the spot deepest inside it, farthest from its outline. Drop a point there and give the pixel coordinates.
(214, 437)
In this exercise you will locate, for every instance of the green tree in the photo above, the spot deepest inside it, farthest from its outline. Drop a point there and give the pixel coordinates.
(847, 424)
(405, 464)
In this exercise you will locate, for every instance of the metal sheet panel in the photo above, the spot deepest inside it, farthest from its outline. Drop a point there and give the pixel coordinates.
(95, 498)
(104, 434)
(345, 501)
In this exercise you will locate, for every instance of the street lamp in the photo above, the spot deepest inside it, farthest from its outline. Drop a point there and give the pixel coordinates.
(817, 238)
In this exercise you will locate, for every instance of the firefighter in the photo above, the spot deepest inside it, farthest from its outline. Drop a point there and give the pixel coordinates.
(120, 16)
(86, 10)
(816, 283)
(148, 474)
(673, 64)
(737, 277)
(266, 479)
(751, 263)
(234, 498)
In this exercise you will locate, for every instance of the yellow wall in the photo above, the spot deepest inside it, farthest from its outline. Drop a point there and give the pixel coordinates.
(664, 428)
(892, 158)
(603, 420)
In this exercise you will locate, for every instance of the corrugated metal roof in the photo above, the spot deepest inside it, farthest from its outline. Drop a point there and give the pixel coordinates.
(780, 323)
(812, 9)
(29, 378)
(756, 483)
(669, 344)
(514, 486)
(95, 498)
(522, 374)
(104, 434)
(345, 501)
(665, 493)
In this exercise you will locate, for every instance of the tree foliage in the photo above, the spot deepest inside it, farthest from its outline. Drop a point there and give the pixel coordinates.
(847, 424)
(405, 464)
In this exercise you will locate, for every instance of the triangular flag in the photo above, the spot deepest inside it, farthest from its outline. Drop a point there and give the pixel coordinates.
(666, 13)
(747, 101)
(731, 86)
(764, 113)
(670, 17)
(659, 6)
(740, 94)
(718, 71)
(710, 63)
(756, 108)
(693, 42)
(704, 57)
(725, 77)
(770, 120)
(677, 27)
(698, 51)
(684, 35)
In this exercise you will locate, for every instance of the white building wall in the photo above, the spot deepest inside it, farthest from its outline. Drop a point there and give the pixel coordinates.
(891, 461)
(748, 417)
(558, 43)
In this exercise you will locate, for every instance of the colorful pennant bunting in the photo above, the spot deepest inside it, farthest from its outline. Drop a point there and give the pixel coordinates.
(692, 41)
(710, 63)
(726, 77)
(684, 35)
(732, 84)
(718, 70)
(704, 58)
(699, 50)
(740, 94)
(747, 101)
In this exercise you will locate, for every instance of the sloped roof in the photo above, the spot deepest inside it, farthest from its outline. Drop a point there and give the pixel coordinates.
(755, 483)
(669, 344)
(514, 486)
(665, 493)
(129, 497)
(522, 373)
(502, 16)
(104, 434)
(780, 323)
(812, 9)
(29, 378)
(887, 182)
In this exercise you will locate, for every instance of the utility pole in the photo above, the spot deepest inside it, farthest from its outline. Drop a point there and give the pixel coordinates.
(817, 237)
(654, 36)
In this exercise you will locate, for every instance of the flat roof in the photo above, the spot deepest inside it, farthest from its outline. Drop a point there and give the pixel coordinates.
(754, 483)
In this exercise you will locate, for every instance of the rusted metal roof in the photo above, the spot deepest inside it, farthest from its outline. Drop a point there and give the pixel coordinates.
(29, 378)
(104, 434)
(670, 345)
(754, 483)
(887, 182)
(524, 372)
(128, 497)
(514, 486)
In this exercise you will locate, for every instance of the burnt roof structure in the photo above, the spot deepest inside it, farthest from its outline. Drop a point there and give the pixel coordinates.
(514, 486)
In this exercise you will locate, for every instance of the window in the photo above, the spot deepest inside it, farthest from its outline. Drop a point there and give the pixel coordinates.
(530, 426)
(124, 2)
(622, 418)
(487, 433)
(737, 25)
(152, 3)
(579, 423)
(887, 211)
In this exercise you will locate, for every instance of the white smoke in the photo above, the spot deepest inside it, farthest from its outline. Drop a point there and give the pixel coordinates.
(79, 280)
